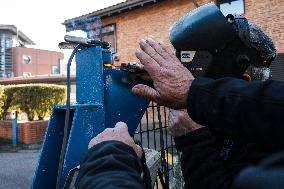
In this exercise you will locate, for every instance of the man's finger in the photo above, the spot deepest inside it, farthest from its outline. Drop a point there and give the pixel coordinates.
(151, 51)
(146, 91)
(140, 67)
(167, 49)
(159, 49)
(92, 143)
(150, 65)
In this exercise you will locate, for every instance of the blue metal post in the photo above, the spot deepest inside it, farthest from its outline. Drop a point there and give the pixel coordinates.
(15, 127)
(103, 98)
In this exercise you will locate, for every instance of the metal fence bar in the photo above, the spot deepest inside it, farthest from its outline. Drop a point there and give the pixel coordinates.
(153, 133)
(148, 135)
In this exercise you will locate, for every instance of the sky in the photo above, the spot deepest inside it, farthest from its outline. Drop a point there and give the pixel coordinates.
(41, 20)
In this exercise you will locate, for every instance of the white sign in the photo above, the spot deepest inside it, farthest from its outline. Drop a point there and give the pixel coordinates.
(187, 56)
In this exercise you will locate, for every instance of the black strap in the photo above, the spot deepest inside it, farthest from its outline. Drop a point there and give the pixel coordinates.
(241, 25)
(160, 174)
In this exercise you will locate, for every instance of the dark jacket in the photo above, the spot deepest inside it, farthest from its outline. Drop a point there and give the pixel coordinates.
(110, 165)
(268, 175)
(251, 110)
(209, 161)
(201, 163)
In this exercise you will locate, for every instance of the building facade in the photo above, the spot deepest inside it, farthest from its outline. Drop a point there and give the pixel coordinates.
(126, 23)
(6, 64)
(18, 60)
(10, 36)
(32, 62)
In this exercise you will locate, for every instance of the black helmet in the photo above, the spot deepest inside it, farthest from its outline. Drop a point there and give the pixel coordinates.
(221, 46)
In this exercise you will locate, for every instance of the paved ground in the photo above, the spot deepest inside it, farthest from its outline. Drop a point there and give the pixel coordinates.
(17, 168)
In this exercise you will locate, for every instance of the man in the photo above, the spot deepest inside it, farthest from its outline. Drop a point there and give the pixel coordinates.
(217, 155)
(209, 101)
(253, 110)
(231, 105)
(116, 165)
(230, 153)
(171, 79)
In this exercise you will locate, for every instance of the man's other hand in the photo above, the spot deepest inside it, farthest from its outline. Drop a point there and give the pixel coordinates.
(180, 123)
(118, 133)
(170, 78)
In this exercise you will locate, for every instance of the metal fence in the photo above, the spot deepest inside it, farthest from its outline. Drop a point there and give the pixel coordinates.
(153, 133)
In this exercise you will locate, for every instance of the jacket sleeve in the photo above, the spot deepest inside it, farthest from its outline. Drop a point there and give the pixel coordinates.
(201, 163)
(109, 165)
(253, 110)
(269, 174)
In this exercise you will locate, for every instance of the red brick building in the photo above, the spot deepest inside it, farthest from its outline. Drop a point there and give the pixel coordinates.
(126, 23)
(18, 60)
(31, 62)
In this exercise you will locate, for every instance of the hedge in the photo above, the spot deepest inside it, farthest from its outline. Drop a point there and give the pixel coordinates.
(2, 103)
(33, 99)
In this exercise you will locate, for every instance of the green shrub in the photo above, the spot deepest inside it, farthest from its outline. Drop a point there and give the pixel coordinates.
(33, 99)
(2, 98)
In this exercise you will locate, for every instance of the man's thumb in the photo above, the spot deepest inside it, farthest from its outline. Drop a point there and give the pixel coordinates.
(146, 91)
(121, 125)
(138, 151)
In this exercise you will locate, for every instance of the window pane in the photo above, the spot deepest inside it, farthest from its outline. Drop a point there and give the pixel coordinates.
(110, 38)
(232, 7)
(55, 70)
(109, 28)
(105, 33)
(27, 59)
(277, 67)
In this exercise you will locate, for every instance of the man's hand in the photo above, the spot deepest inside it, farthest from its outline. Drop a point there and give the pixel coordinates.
(180, 123)
(171, 79)
(118, 133)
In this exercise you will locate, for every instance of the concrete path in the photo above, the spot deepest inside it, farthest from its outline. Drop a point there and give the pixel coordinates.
(17, 168)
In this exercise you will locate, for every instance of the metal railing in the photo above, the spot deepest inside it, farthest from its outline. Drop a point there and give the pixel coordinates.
(153, 133)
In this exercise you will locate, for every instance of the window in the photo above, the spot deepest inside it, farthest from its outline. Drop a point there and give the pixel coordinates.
(277, 67)
(62, 66)
(106, 33)
(231, 6)
(109, 35)
(9, 44)
(27, 59)
(55, 69)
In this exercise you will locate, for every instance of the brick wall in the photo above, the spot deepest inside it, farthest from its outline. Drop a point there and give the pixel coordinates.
(28, 133)
(155, 20)
(149, 21)
(269, 14)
